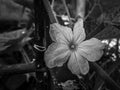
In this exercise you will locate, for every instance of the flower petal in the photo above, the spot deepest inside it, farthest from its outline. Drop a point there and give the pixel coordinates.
(56, 55)
(61, 34)
(78, 64)
(79, 31)
(92, 49)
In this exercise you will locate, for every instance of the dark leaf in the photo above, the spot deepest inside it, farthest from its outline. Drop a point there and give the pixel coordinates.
(9, 38)
(11, 12)
(108, 32)
(15, 81)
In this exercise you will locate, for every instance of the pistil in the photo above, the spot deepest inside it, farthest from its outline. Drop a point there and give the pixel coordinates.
(72, 46)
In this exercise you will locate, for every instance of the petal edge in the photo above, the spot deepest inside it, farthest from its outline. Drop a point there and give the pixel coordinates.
(59, 33)
(79, 31)
(78, 64)
(92, 49)
(56, 55)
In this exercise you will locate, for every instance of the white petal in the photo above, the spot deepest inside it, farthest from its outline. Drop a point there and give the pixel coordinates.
(61, 34)
(56, 55)
(92, 49)
(78, 64)
(79, 31)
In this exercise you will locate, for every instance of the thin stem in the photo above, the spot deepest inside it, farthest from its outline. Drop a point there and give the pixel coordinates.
(54, 13)
(66, 8)
(105, 76)
(80, 8)
(49, 10)
(25, 56)
(97, 3)
(20, 69)
(109, 71)
(52, 4)
(90, 12)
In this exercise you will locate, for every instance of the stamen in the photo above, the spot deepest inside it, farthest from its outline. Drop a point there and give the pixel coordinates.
(72, 46)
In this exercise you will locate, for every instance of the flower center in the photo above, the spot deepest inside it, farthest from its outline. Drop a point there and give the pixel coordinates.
(72, 46)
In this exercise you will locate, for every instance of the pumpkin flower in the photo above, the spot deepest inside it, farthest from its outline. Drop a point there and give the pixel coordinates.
(69, 46)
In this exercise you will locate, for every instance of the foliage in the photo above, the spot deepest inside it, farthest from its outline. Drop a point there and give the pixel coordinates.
(102, 20)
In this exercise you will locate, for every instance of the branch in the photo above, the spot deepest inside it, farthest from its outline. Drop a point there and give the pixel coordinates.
(90, 12)
(19, 69)
(66, 8)
(50, 12)
(80, 8)
(96, 31)
(105, 76)
(109, 71)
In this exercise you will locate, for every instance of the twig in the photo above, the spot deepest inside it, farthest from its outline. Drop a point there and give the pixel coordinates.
(109, 71)
(80, 8)
(90, 12)
(50, 12)
(52, 4)
(66, 8)
(25, 56)
(97, 3)
(52, 8)
(96, 31)
(19, 69)
(105, 76)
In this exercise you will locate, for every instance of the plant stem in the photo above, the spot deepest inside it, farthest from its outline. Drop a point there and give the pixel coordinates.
(50, 12)
(66, 8)
(80, 8)
(105, 76)
(19, 69)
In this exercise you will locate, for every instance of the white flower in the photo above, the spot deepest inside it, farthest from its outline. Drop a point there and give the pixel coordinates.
(69, 45)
